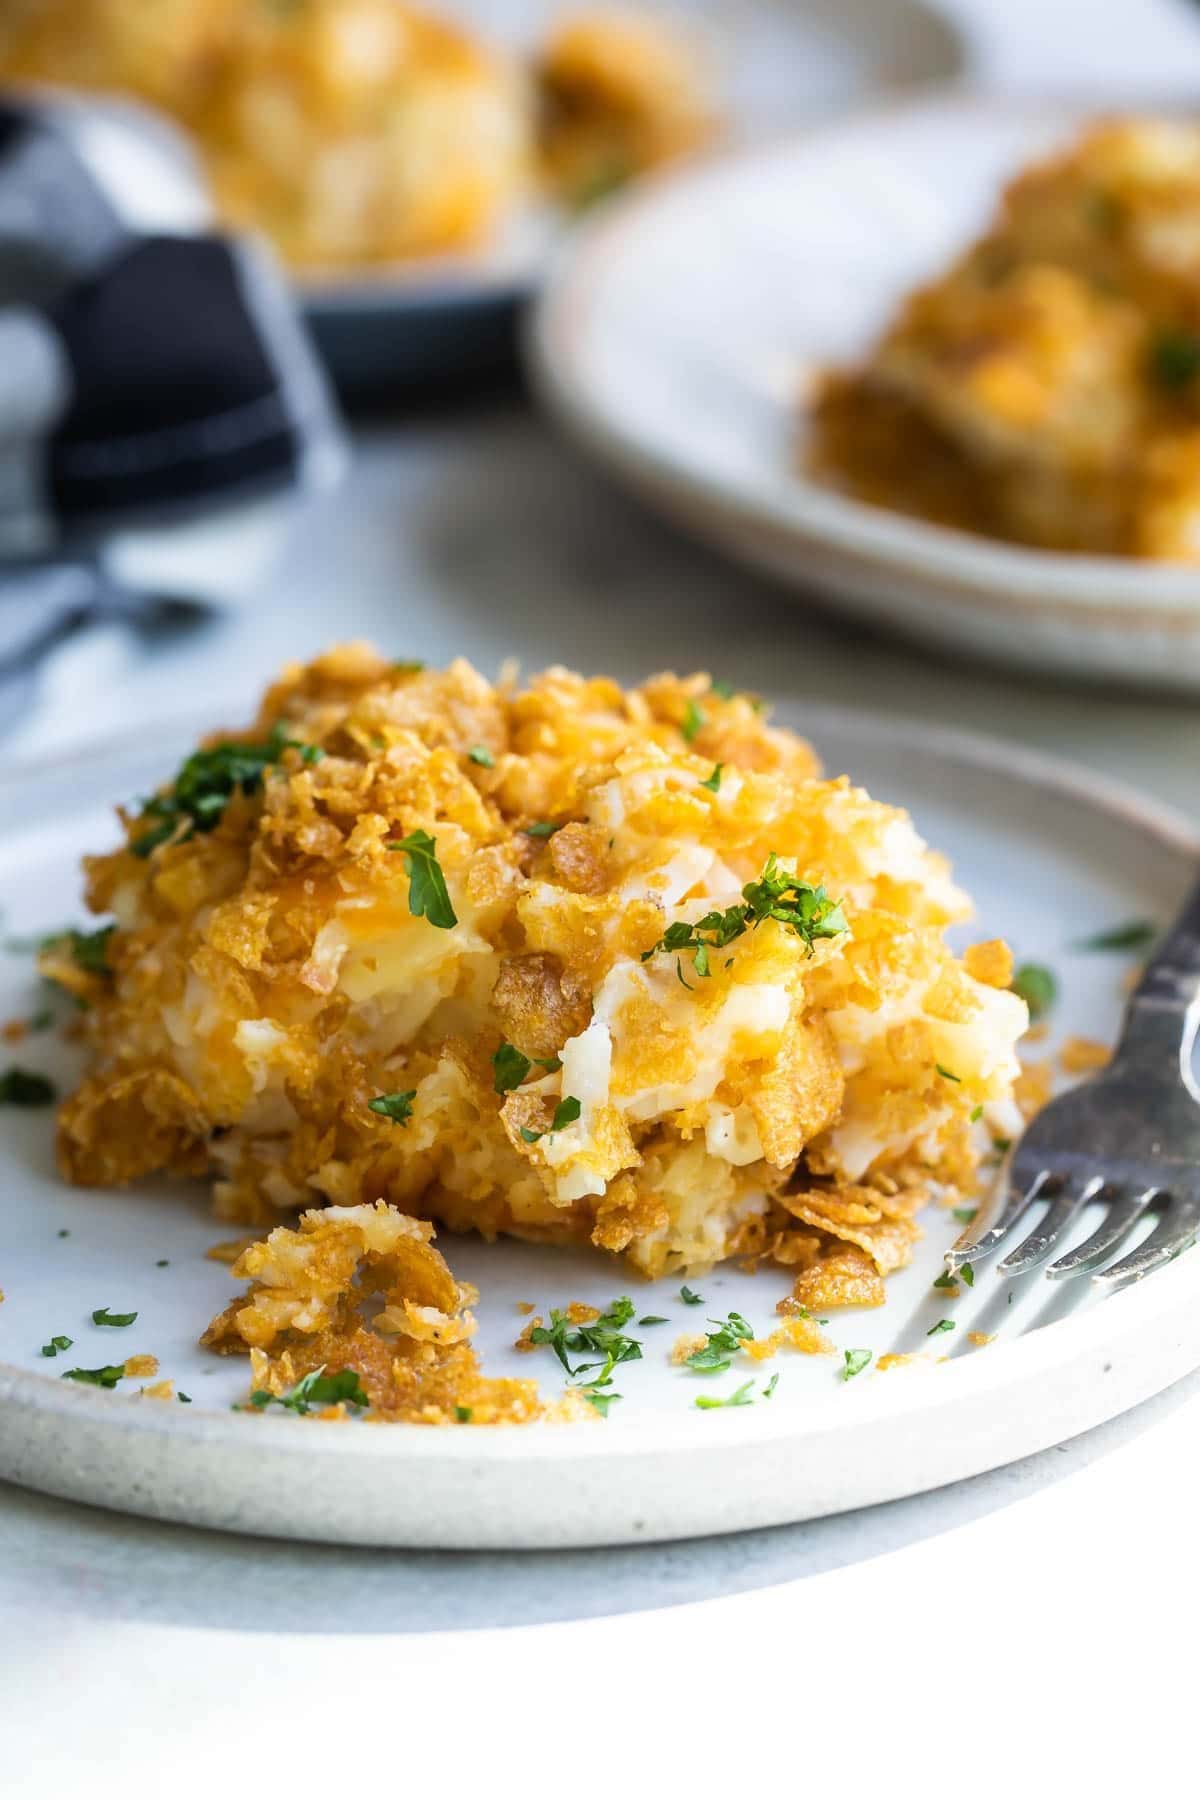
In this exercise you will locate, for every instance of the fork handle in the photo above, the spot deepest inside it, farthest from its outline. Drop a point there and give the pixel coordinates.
(1163, 1015)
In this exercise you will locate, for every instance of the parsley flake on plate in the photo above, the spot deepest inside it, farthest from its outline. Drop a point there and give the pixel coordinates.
(102, 1316)
(184, 1399)
(946, 1280)
(855, 1361)
(965, 1214)
(722, 689)
(1037, 987)
(396, 1107)
(106, 1377)
(771, 1386)
(690, 1299)
(742, 1396)
(316, 1389)
(56, 1344)
(24, 1087)
(1135, 934)
(653, 1319)
(428, 895)
(942, 1325)
(723, 1342)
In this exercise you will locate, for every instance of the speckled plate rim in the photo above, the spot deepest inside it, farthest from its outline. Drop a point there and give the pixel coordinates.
(660, 1477)
(1105, 590)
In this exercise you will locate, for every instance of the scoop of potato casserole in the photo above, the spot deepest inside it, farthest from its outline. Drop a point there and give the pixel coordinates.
(569, 961)
(1045, 389)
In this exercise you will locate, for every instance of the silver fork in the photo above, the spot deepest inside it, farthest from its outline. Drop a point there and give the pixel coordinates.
(1131, 1135)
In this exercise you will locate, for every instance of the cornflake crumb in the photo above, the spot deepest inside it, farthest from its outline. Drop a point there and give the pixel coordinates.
(980, 1338)
(158, 1390)
(990, 962)
(525, 1306)
(686, 1344)
(1033, 1087)
(302, 1320)
(141, 1365)
(1081, 1055)
(228, 1250)
(898, 1359)
(580, 1314)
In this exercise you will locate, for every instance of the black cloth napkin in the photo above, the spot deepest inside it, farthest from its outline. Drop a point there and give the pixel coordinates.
(145, 378)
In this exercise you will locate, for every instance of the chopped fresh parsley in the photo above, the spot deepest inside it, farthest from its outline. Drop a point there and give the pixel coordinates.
(855, 1362)
(777, 894)
(407, 668)
(1135, 934)
(88, 950)
(509, 1068)
(204, 786)
(102, 1316)
(771, 1386)
(947, 1074)
(694, 721)
(479, 753)
(742, 1396)
(396, 1107)
(724, 1340)
(601, 1401)
(946, 1280)
(544, 828)
(603, 1337)
(942, 1325)
(463, 1414)
(316, 1389)
(653, 1319)
(968, 1274)
(565, 1113)
(162, 1263)
(63, 1232)
(713, 784)
(1175, 359)
(1037, 987)
(722, 689)
(1002, 1146)
(690, 1299)
(42, 1020)
(965, 1214)
(428, 895)
(975, 1114)
(184, 1399)
(106, 1377)
(23, 1087)
(56, 1344)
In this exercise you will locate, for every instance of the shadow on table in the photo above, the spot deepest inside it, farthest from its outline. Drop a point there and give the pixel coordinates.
(70, 1561)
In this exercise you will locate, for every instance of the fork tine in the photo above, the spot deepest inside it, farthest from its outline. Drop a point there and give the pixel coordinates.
(976, 1248)
(1173, 1233)
(1108, 1236)
(1048, 1235)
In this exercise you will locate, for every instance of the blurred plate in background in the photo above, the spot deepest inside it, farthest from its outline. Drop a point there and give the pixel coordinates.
(679, 331)
(777, 62)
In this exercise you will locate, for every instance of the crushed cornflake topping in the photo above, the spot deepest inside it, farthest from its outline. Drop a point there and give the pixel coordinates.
(357, 965)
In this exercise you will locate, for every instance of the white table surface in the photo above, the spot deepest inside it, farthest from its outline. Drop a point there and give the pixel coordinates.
(146, 1660)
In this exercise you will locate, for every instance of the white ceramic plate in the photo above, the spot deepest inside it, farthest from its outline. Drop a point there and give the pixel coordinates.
(1049, 858)
(779, 61)
(676, 333)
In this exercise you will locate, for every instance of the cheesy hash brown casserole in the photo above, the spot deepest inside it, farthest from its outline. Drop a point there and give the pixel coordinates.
(1045, 389)
(568, 961)
(357, 132)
